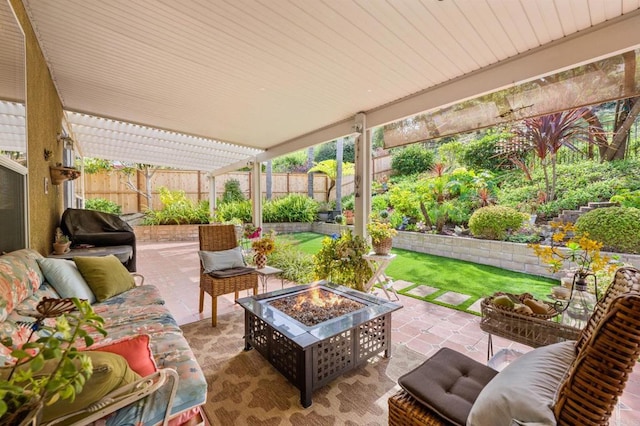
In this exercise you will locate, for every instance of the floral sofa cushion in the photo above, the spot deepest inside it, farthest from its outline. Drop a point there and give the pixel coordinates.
(140, 310)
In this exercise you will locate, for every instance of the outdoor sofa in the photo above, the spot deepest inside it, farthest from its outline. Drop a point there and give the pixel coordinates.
(129, 317)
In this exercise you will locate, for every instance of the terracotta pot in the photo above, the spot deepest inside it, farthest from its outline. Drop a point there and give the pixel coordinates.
(61, 248)
(260, 259)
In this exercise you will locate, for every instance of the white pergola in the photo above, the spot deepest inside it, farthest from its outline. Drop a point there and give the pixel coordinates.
(216, 85)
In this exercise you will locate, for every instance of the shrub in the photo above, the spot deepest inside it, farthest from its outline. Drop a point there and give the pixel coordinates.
(617, 228)
(290, 208)
(238, 210)
(295, 162)
(481, 154)
(232, 192)
(103, 205)
(494, 222)
(411, 160)
(627, 198)
(296, 265)
(177, 210)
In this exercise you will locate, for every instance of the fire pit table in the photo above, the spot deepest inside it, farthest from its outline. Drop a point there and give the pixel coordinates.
(312, 345)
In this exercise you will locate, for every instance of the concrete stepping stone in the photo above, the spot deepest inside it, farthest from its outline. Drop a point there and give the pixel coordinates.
(423, 291)
(476, 306)
(453, 298)
(401, 284)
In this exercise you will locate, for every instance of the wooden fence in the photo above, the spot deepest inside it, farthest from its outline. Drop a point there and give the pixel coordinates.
(113, 185)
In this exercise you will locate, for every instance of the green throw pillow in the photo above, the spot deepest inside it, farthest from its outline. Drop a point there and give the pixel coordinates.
(110, 372)
(106, 276)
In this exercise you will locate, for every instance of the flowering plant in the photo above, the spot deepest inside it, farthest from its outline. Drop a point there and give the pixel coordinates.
(580, 249)
(380, 231)
(251, 231)
(264, 245)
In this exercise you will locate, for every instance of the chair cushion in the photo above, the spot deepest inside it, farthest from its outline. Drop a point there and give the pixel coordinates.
(106, 276)
(65, 278)
(233, 272)
(222, 259)
(525, 391)
(448, 383)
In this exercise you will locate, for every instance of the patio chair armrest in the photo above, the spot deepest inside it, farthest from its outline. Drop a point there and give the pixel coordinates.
(127, 395)
(138, 279)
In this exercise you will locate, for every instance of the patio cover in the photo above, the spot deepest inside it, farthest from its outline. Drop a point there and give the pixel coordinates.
(274, 77)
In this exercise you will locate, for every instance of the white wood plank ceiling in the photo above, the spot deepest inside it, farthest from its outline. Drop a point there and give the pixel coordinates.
(265, 73)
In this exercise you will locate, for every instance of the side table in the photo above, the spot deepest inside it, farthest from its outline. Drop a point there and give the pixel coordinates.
(265, 273)
(123, 253)
(378, 264)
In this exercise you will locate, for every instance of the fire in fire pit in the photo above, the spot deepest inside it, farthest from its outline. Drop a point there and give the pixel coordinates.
(316, 306)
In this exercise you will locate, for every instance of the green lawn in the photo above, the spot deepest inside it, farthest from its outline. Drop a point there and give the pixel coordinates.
(447, 274)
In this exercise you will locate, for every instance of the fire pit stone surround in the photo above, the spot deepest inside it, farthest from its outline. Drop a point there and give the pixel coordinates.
(311, 356)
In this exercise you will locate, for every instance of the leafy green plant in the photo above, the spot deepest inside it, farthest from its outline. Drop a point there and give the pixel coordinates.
(380, 231)
(290, 208)
(103, 205)
(177, 210)
(617, 228)
(236, 210)
(296, 265)
(481, 154)
(232, 192)
(411, 160)
(494, 222)
(627, 198)
(330, 168)
(25, 383)
(340, 260)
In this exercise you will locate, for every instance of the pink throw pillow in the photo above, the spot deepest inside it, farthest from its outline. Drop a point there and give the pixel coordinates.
(136, 351)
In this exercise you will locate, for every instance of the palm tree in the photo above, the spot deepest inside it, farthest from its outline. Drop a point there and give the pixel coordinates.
(330, 168)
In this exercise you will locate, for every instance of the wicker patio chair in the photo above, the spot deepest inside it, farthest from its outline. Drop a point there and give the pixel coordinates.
(216, 238)
(607, 350)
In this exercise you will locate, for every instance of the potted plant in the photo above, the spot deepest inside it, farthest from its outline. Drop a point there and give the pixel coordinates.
(263, 246)
(348, 216)
(340, 260)
(382, 234)
(59, 173)
(61, 242)
(324, 208)
(24, 389)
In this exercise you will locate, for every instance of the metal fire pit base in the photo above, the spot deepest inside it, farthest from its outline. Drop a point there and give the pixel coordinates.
(310, 357)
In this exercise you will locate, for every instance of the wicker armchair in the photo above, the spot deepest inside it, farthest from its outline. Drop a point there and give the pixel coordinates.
(607, 349)
(216, 238)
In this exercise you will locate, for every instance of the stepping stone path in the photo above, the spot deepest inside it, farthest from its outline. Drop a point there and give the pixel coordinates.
(450, 297)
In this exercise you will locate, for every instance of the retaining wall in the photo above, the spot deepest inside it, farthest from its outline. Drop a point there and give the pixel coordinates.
(512, 256)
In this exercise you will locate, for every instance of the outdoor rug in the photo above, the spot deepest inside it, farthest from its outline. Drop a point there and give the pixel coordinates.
(244, 389)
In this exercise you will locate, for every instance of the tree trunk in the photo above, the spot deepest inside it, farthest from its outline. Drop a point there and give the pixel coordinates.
(269, 179)
(310, 175)
(618, 146)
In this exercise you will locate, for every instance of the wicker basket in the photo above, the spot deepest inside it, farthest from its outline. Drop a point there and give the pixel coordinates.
(532, 330)
(520, 298)
(382, 247)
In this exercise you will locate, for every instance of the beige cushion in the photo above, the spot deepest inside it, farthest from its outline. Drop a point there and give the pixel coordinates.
(106, 276)
(223, 259)
(525, 391)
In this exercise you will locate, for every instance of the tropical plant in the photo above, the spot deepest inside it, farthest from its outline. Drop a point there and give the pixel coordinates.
(238, 210)
(290, 208)
(340, 260)
(545, 135)
(330, 168)
(177, 210)
(103, 205)
(25, 386)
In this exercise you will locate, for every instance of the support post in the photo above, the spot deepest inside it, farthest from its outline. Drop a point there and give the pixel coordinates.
(362, 178)
(256, 194)
(212, 194)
